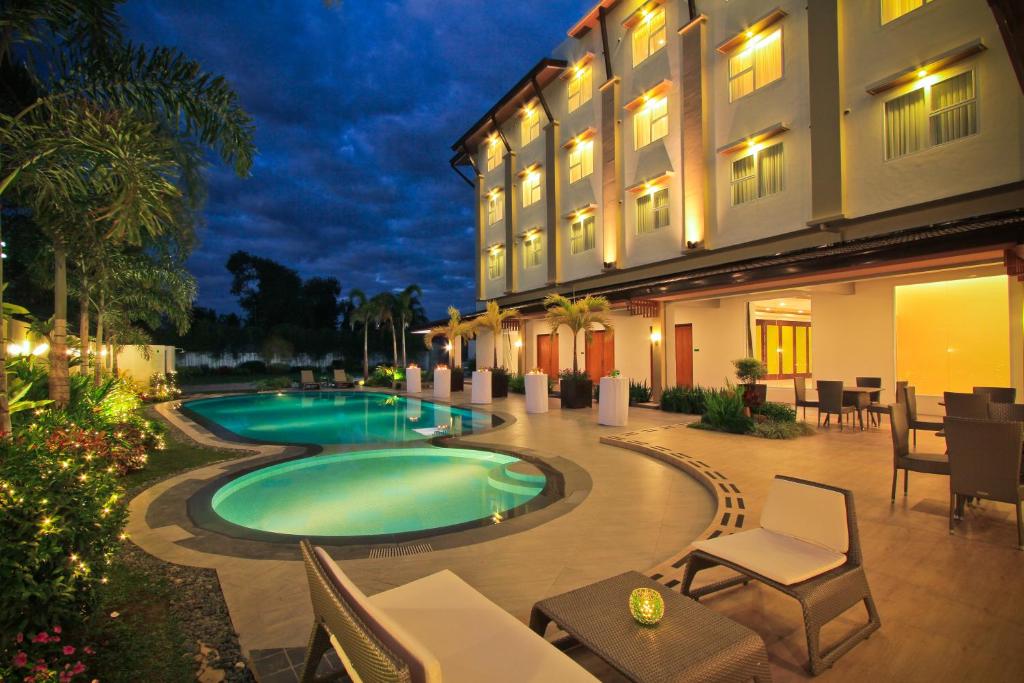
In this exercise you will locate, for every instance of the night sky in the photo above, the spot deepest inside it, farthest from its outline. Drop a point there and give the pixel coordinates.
(356, 104)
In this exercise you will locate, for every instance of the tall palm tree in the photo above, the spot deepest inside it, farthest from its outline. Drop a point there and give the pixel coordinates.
(455, 331)
(582, 315)
(385, 305)
(408, 305)
(491, 319)
(363, 312)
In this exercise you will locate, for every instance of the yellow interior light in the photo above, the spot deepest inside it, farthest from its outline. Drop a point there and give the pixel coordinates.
(749, 34)
(655, 336)
(922, 73)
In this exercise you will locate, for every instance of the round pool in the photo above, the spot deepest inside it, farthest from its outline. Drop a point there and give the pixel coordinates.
(335, 417)
(380, 492)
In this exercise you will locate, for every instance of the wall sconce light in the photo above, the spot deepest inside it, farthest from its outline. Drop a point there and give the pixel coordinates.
(655, 336)
(448, 347)
(518, 343)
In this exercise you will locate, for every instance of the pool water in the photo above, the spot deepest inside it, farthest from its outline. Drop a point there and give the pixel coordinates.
(379, 492)
(335, 417)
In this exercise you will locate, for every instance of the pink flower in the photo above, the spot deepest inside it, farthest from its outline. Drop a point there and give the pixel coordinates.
(64, 677)
(20, 660)
(56, 629)
(41, 637)
(19, 638)
(68, 650)
(42, 668)
(89, 650)
(78, 668)
(30, 679)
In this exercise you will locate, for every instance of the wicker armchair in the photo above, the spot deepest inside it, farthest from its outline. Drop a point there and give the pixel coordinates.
(984, 462)
(1006, 412)
(830, 402)
(875, 407)
(974, 406)
(903, 459)
(910, 398)
(998, 394)
(808, 548)
(800, 395)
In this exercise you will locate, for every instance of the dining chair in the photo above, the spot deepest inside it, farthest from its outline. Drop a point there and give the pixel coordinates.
(901, 387)
(1006, 412)
(959, 404)
(875, 407)
(984, 462)
(800, 394)
(910, 398)
(903, 459)
(830, 402)
(998, 394)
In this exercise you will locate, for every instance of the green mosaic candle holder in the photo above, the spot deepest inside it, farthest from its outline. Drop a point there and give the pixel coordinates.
(647, 606)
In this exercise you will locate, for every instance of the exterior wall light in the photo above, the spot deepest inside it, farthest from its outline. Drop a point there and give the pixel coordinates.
(655, 336)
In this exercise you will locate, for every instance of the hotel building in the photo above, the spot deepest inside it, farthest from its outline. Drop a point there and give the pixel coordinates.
(835, 187)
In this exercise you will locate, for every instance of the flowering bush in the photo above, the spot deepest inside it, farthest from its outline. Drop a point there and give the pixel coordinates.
(163, 386)
(43, 657)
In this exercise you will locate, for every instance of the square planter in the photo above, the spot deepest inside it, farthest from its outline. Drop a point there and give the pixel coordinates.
(457, 380)
(576, 393)
(499, 384)
(754, 395)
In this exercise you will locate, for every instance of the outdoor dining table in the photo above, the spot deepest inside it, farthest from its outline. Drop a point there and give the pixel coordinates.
(860, 398)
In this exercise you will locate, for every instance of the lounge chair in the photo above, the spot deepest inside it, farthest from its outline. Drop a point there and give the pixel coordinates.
(341, 378)
(307, 381)
(800, 395)
(830, 402)
(910, 398)
(808, 548)
(903, 459)
(432, 629)
(966, 405)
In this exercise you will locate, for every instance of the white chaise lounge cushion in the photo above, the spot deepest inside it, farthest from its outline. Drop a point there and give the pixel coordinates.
(810, 513)
(424, 667)
(474, 639)
(779, 557)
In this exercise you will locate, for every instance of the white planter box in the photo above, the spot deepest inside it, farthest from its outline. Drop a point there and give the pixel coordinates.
(481, 387)
(413, 381)
(536, 393)
(613, 402)
(442, 383)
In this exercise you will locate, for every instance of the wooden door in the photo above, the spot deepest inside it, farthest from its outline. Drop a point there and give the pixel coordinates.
(684, 355)
(547, 354)
(600, 355)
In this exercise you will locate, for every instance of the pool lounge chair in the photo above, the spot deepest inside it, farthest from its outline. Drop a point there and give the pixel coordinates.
(341, 379)
(307, 381)
(432, 629)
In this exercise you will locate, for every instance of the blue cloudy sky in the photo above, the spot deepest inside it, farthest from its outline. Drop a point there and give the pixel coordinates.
(356, 104)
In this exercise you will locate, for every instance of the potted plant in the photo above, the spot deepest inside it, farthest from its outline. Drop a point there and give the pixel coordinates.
(491, 320)
(454, 332)
(582, 315)
(748, 371)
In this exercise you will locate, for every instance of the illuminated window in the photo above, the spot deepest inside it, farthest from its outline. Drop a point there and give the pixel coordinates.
(529, 127)
(893, 9)
(495, 261)
(495, 207)
(581, 160)
(531, 188)
(650, 122)
(531, 251)
(649, 35)
(756, 65)
(784, 346)
(757, 174)
(581, 235)
(580, 87)
(652, 211)
(493, 154)
(932, 114)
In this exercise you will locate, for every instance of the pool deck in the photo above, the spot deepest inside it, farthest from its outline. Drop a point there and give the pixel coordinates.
(952, 607)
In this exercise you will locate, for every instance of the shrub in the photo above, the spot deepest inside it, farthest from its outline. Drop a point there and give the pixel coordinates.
(749, 370)
(639, 392)
(771, 429)
(517, 384)
(725, 411)
(273, 383)
(776, 412)
(577, 376)
(44, 656)
(163, 386)
(684, 400)
(255, 367)
(384, 376)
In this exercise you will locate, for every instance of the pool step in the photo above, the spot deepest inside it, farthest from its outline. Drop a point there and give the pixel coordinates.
(518, 477)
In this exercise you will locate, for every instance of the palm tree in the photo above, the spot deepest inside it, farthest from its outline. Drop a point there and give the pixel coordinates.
(363, 311)
(581, 315)
(491, 320)
(407, 306)
(384, 305)
(455, 331)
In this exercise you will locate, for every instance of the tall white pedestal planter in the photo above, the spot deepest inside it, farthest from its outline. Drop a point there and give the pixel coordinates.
(442, 383)
(536, 392)
(413, 379)
(481, 387)
(613, 403)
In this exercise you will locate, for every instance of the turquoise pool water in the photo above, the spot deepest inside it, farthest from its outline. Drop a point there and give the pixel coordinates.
(335, 417)
(377, 492)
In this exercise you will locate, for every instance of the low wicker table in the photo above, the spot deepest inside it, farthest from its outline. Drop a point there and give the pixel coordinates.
(692, 643)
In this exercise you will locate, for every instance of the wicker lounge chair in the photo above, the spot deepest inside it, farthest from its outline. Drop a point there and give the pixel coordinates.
(984, 462)
(800, 394)
(341, 378)
(307, 381)
(903, 459)
(875, 407)
(910, 398)
(958, 404)
(998, 394)
(830, 402)
(432, 629)
(808, 548)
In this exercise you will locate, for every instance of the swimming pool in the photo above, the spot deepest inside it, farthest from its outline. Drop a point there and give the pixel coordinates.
(367, 494)
(335, 417)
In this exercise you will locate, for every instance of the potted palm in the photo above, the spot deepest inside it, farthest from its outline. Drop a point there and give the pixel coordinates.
(748, 371)
(454, 332)
(491, 320)
(582, 315)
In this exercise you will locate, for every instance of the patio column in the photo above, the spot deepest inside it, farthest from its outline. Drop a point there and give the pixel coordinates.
(613, 238)
(658, 345)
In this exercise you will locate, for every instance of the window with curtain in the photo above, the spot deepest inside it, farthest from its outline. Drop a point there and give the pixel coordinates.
(531, 252)
(581, 235)
(580, 87)
(756, 65)
(784, 346)
(652, 211)
(934, 114)
(493, 154)
(531, 188)
(893, 9)
(649, 35)
(758, 174)
(495, 259)
(495, 207)
(650, 122)
(581, 160)
(529, 126)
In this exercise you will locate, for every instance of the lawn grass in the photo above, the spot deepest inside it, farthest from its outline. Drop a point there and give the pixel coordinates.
(179, 455)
